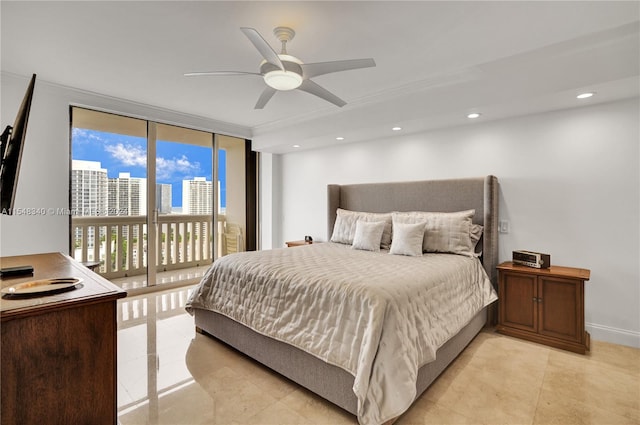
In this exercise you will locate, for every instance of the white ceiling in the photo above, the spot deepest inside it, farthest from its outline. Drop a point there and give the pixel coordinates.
(436, 61)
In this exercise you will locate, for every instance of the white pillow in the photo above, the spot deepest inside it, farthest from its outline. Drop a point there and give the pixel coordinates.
(368, 235)
(344, 228)
(476, 234)
(444, 232)
(407, 239)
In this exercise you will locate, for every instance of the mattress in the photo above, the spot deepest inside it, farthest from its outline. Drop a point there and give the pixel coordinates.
(380, 317)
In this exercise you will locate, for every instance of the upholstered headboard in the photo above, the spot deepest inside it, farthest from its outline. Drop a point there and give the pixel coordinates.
(480, 194)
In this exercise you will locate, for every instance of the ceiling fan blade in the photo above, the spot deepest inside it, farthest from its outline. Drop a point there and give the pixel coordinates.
(263, 47)
(266, 95)
(320, 68)
(198, 74)
(313, 88)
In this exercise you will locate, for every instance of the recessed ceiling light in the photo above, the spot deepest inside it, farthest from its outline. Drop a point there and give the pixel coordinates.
(585, 95)
(473, 115)
(296, 146)
(339, 138)
(396, 128)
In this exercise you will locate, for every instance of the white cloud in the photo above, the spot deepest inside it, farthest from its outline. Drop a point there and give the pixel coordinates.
(166, 168)
(128, 155)
(133, 155)
(81, 135)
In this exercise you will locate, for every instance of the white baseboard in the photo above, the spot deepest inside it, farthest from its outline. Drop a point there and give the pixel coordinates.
(613, 335)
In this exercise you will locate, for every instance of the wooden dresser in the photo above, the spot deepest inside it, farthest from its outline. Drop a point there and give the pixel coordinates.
(58, 352)
(543, 305)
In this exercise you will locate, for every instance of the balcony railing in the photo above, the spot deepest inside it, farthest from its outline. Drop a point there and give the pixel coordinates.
(119, 244)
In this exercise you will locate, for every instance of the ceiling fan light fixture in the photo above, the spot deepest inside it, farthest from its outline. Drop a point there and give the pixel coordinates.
(283, 72)
(585, 95)
(282, 80)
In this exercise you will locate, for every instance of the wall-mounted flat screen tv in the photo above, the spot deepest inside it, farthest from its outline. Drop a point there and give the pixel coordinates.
(12, 143)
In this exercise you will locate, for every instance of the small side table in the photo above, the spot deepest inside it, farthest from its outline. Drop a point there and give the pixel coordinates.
(544, 305)
(298, 243)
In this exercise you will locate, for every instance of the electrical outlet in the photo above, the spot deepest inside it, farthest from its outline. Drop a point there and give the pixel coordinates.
(503, 226)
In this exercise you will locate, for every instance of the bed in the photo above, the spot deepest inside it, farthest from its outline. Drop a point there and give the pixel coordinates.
(317, 316)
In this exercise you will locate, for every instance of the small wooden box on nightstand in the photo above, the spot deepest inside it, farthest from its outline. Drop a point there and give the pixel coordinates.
(543, 305)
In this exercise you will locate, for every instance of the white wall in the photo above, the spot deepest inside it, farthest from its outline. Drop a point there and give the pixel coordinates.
(569, 186)
(269, 201)
(43, 185)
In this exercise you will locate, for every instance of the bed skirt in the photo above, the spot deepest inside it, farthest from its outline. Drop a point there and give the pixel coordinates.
(328, 381)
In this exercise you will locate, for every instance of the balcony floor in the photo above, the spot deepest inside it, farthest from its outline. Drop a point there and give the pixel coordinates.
(164, 280)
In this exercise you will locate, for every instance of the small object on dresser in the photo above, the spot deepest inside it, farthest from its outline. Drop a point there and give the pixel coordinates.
(16, 271)
(532, 259)
(308, 239)
(91, 265)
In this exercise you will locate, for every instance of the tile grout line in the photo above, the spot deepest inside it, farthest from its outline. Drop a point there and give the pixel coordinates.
(544, 376)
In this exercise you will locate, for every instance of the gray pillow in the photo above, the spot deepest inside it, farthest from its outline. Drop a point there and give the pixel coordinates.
(344, 228)
(444, 232)
(407, 239)
(368, 235)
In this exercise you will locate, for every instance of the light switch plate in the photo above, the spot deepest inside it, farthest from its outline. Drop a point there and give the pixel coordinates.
(503, 226)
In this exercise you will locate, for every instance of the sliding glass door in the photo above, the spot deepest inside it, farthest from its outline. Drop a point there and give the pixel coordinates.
(184, 202)
(153, 203)
(231, 207)
(108, 193)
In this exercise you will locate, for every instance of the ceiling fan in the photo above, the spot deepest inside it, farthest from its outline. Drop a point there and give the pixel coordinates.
(285, 72)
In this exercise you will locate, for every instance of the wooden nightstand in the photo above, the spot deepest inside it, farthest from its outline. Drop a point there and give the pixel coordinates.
(543, 305)
(297, 243)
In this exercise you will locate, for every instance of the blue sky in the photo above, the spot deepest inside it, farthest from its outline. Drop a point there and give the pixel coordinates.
(128, 154)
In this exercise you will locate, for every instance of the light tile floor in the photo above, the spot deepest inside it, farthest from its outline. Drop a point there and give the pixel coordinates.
(168, 374)
(138, 284)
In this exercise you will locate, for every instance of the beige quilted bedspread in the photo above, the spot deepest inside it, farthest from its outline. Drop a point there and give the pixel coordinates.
(378, 316)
